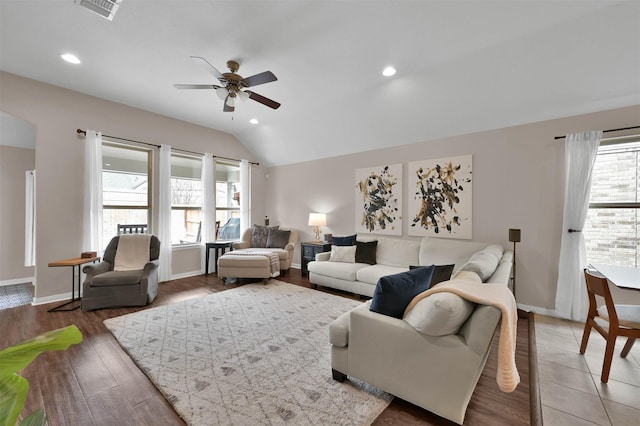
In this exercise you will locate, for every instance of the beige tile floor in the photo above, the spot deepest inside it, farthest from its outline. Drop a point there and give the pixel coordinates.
(570, 386)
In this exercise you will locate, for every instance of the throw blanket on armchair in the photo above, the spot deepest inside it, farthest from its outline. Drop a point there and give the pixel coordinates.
(500, 296)
(132, 252)
(274, 258)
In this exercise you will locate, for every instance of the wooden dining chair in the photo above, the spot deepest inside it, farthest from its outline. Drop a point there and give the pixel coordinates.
(622, 320)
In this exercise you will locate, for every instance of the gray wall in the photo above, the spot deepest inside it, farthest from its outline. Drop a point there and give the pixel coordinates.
(518, 183)
(56, 113)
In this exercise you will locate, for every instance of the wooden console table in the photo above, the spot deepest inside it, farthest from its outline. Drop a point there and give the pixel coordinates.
(76, 262)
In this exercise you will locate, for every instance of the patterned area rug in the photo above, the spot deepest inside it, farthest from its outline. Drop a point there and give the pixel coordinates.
(15, 295)
(255, 355)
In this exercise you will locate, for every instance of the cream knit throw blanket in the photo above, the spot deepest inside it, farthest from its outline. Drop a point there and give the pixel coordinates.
(497, 295)
(132, 252)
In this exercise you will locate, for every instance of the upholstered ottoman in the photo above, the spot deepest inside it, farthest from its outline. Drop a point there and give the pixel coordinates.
(244, 266)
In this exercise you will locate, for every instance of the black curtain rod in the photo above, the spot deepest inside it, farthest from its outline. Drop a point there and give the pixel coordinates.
(83, 132)
(606, 131)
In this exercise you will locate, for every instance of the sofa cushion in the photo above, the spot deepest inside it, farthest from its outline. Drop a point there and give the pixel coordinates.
(338, 270)
(440, 273)
(439, 314)
(442, 251)
(115, 278)
(394, 292)
(259, 235)
(366, 252)
(278, 238)
(344, 241)
(372, 273)
(398, 252)
(485, 261)
(345, 254)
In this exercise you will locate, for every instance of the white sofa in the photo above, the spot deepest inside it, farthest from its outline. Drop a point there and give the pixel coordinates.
(434, 355)
(395, 255)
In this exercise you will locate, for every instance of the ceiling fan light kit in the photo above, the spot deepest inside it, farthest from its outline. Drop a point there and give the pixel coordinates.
(233, 85)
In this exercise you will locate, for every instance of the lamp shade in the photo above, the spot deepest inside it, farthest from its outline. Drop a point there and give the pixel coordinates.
(514, 235)
(317, 219)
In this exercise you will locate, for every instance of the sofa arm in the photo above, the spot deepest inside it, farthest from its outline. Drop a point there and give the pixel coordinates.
(323, 257)
(96, 268)
(240, 245)
(480, 327)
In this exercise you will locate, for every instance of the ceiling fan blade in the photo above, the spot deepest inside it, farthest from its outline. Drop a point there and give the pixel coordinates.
(265, 101)
(195, 86)
(263, 77)
(210, 68)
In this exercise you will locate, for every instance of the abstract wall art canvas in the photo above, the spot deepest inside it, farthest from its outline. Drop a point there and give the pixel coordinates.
(440, 197)
(378, 203)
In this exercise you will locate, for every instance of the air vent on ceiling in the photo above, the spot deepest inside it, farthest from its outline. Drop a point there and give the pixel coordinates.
(105, 8)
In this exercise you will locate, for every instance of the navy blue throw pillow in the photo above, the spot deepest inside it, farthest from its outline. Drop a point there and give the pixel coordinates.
(344, 241)
(440, 274)
(393, 293)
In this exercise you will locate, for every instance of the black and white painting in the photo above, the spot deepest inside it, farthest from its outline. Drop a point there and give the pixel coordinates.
(378, 204)
(440, 197)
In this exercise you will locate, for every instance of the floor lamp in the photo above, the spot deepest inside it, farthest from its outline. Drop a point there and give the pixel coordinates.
(514, 237)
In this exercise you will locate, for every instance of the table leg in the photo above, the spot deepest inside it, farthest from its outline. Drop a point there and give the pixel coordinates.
(215, 267)
(73, 292)
(206, 262)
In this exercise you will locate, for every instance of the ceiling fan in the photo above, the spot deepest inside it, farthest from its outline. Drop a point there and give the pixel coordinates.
(233, 86)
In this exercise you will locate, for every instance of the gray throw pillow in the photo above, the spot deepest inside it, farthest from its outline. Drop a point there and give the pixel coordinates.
(260, 234)
(278, 238)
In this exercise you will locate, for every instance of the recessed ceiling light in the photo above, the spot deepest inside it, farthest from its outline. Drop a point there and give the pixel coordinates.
(389, 71)
(254, 121)
(72, 59)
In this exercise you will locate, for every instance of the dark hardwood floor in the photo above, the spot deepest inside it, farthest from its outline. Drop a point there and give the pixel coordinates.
(96, 383)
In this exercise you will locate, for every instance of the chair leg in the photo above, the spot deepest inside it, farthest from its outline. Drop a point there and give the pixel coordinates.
(608, 357)
(627, 347)
(585, 336)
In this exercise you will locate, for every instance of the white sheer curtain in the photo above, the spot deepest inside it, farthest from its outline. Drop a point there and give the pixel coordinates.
(208, 198)
(164, 210)
(92, 217)
(245, 196)
(30, 219)
(580, 154)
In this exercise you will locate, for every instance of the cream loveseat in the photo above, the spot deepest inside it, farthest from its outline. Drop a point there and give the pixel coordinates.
(434, 354)
(394, 255)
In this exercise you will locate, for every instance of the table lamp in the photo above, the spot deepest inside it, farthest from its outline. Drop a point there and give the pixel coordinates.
(317, 220)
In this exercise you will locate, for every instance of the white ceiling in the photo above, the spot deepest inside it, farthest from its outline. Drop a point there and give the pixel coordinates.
(463, 66)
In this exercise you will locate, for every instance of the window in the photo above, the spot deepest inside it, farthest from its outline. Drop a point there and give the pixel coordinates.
(125, 187)
(612, 229)
(186, 199)
(228, 199)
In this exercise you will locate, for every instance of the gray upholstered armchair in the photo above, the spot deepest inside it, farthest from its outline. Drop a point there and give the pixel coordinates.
(104, 287)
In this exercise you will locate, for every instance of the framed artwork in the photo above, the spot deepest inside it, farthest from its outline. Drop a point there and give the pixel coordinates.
(378, 205)
(440, 197)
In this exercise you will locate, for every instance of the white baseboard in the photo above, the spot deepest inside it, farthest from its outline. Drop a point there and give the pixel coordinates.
(51, 299)
(17, 281)
(187, 274)
(538, 310)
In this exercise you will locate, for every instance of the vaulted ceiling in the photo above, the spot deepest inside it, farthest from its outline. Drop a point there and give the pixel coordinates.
(462, 66)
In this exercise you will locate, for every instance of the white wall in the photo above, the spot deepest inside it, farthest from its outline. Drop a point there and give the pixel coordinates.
(518, 183)
(57, 113)
(14, 162)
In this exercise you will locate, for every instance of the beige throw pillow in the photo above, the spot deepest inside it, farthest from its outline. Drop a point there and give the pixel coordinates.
(345, 254)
